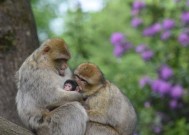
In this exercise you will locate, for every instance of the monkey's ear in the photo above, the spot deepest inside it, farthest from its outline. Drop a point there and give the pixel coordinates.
(46, 49)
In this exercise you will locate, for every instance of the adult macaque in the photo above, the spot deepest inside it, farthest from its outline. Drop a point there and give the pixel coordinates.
(40, 84)
(106, 104)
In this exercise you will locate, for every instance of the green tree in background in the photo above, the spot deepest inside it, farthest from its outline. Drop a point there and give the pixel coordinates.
(139, 46)
(164, 39)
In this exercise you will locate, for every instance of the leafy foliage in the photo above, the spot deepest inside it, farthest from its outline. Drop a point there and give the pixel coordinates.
(152, 71)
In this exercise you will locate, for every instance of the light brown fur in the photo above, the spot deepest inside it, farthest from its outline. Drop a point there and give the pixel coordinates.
(106, 104)
(40, 82)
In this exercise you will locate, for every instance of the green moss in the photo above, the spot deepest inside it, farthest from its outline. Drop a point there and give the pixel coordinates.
(6, 40)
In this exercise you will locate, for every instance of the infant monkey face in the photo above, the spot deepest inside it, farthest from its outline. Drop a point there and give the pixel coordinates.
(68, 87)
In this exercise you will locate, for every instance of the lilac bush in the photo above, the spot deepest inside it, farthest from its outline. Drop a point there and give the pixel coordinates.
(173, 104)
(165, 72)
(145, 80)
(118, 50)
(136, 22)
(185, 17)
(152, 30)
(183, 38)
(138, 5)
(165, 35)
(117, 38)
(120, 44)
(177, 92)
(163, 41)
(168, 24)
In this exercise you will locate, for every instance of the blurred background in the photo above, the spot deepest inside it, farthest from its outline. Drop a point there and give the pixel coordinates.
(140, 45)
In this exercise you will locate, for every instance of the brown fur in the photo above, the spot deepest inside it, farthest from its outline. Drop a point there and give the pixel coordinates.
(40, 84)
(107, 105)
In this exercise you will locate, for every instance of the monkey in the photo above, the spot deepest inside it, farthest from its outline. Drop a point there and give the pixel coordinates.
(40, 82)
(70, 85)
(107, 105)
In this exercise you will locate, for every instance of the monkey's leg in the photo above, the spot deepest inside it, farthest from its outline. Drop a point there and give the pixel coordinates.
(68, 119)
(98, 129)
(43, 131)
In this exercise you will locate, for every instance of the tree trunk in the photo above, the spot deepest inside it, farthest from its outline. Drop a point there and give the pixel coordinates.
(18, 38)
(9, 128)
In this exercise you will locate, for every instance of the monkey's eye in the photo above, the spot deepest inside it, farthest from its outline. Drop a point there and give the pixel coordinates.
(61, 60)
(81, 79)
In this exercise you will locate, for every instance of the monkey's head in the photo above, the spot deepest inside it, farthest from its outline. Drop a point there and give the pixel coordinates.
(55, 55)
(89, 78)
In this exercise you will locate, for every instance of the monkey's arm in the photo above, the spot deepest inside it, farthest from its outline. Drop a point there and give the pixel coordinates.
(96, 116)
(65, 96)
(69, 95)
(98, 110)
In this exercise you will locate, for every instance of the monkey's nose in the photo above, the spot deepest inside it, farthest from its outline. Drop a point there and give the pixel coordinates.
(64, 66)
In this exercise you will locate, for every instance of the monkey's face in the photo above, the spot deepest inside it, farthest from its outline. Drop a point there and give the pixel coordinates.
(68, 87)
(89, 77)
(58, 55)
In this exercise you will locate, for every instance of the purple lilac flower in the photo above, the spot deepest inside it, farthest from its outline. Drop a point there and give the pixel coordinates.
(148, 32)
(160, 86)
(135, 22)
(118, 50)
(173, 104)
(168, 24)
(165, 72)
(138, 5)
(134, 12)
(157, 27)
(127, 46)
(164, 87)
(144, 51)
(144, 81)
(165, 35)
(152, 30)
(157, 129)
(185, 17)
(147, 55)
(155, 85)
(176, 92)
(141, 48)
(117, 38)
(184, 39)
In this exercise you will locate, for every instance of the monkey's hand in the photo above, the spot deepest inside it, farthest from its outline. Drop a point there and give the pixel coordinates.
(97, 116)
(66, 96)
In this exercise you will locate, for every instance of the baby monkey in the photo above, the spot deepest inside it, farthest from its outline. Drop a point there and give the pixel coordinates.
(71, 85)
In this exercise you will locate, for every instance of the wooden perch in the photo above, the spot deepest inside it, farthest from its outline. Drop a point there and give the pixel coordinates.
(9, 128)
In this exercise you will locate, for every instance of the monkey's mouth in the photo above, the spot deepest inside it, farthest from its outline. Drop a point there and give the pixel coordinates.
(80, 89)
(61, 72)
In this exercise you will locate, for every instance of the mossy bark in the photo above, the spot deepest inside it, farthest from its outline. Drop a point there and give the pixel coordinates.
(18, 38)
(9, 128)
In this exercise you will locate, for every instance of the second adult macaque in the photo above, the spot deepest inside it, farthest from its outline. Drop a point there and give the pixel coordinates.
(107, 106)
(40, 84)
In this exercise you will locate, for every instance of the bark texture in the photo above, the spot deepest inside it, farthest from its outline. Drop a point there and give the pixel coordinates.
(18, 39)
(9, 128)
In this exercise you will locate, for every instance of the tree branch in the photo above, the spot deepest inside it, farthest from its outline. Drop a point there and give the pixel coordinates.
(9, 128)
